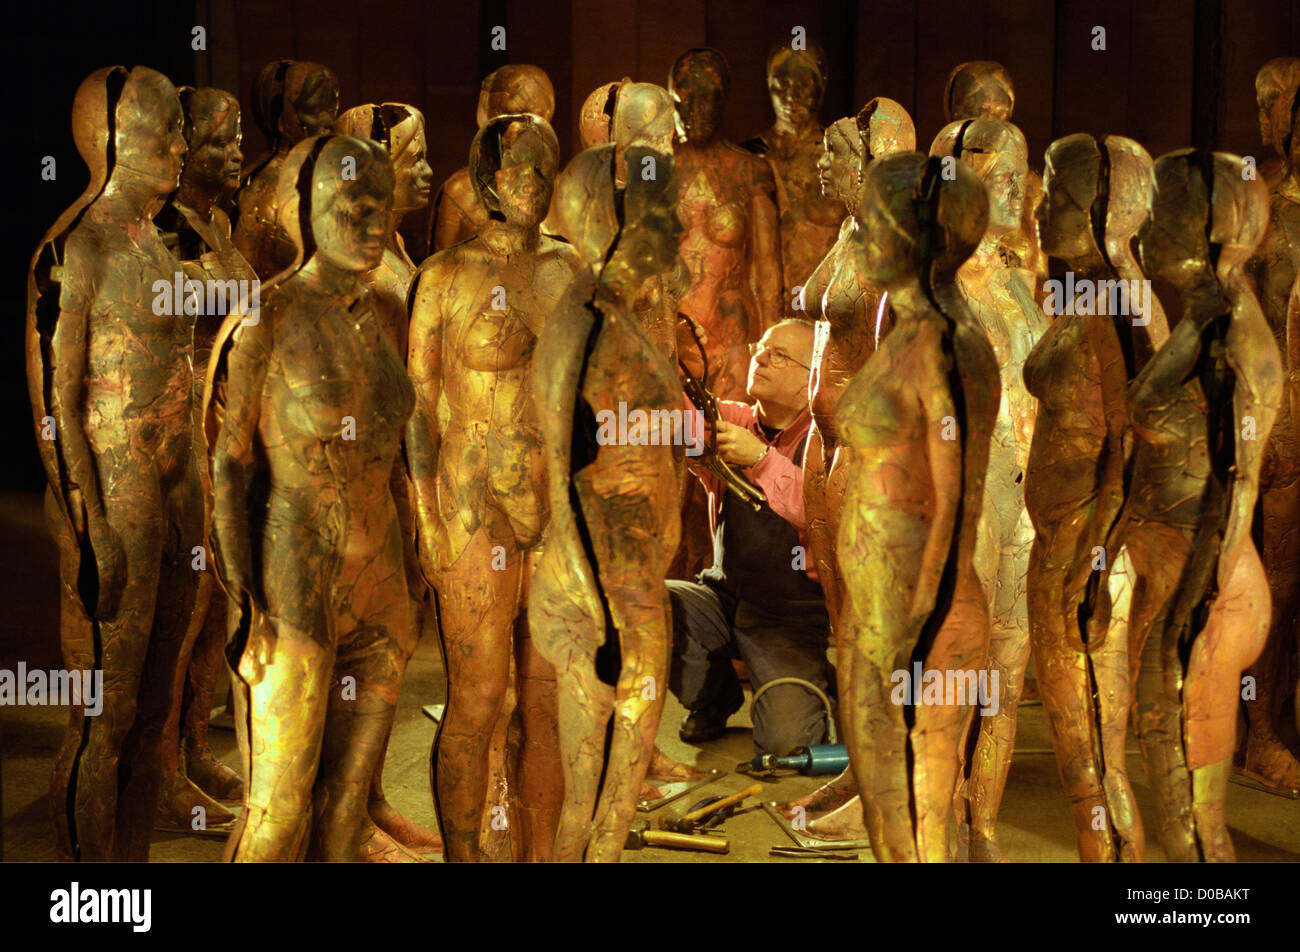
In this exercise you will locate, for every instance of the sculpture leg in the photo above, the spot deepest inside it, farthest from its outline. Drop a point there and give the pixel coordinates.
(1268, 757)
(1232, 638)
(477, 606)
(201, 765)
(816, 470)
(539, 776)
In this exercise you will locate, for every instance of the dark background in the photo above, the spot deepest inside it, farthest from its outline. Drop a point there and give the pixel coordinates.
(1174, 72)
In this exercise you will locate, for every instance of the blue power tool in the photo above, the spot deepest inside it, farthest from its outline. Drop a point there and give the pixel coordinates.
(812, 761)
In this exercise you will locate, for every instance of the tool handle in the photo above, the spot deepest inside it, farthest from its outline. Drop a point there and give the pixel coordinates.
(681, 841)
(750, 791)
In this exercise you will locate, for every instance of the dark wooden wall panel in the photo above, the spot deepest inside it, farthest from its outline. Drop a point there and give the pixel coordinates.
(1160, 76)
(885, 53)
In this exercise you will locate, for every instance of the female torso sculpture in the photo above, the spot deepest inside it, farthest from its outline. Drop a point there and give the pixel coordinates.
(1004, 306)
(225, 282)
(310, 554)
(510, 90)
(292, 101)
(478, 308)
(110, 381)
(726, 203)
(1202, 409)
(608, 555)
(1274, 270)
(916, 422)
(1097, 194)
(809, 220)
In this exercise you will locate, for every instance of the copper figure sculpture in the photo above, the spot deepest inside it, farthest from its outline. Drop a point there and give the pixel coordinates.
(110, 380)
(457, 214)
(916, 423)
(292, 100)
(478, 308)
(313, 399)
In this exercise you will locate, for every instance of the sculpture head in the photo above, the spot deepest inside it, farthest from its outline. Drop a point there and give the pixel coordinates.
(513, 89)
(648, 240)
(336, 199)
(399, 128)
(796, 83)
(512, 163)
(1275, 78)
(596, 117)
(920, 226)
(148, 129)
(267, 98)
(1206, 218)
(310, 101)
(981, 89)
(839, 170)
(1000, 157)
(643, 114)
(1096, 194)
(699, 82)
(885, 128)
(213, 133)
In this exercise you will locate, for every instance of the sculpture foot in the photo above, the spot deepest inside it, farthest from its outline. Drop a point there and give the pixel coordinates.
(403, 829)
(184, 808)
(985, 849)
(666, 770)
(829, 796)
(1269, 762)
(843, 823)
(213, 777)
(378, 847)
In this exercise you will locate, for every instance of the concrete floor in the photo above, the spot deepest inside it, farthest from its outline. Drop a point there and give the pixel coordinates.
(1034, 825)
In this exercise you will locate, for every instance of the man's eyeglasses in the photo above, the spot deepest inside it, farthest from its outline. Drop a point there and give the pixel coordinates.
(777, 358)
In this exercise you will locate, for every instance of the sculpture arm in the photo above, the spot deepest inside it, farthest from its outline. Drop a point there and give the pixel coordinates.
(450, 224)
(765, 252)
(424, 363)
(946, 465)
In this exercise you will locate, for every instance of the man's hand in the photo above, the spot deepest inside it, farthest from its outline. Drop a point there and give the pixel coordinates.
(737, 446)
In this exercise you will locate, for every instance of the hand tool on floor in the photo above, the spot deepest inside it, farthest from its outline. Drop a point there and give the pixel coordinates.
(806, 852)
(640, 836)
(680, 788)
(810, 761)
(716, 818)
(812, 842)
(689, 823)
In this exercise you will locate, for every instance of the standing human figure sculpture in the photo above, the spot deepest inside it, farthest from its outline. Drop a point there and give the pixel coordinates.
(478, 308)
(1005, 307)
(192, 775)
(294, 100)
(982, 89)
(598, 607)
(306, 406)
(1276, 79)
(916, 423)
(792, 146)
(1274, 269)
(726, 200)
(510, 90)
(399, 128)
(1202, 409)
(1097, 195)
(110, 380)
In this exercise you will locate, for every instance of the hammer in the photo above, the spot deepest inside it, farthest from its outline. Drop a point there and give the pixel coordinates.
(686, 824)
(640, 836)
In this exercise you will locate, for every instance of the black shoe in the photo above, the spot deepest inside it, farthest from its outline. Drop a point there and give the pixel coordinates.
(710, 723)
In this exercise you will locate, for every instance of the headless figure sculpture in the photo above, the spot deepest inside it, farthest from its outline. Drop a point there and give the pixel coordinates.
(851, 317)
(1271, 738)
(457, 214)
(726, 200)
(1004, 306)
(1097, 194)
(916, 423)
(796, 83)
(482, 509)
(983, 90)
(400, 130)
(292, 101)
(110, 381)
(599, 607)
(201, 230)
(307, 539)
(1202, 409)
